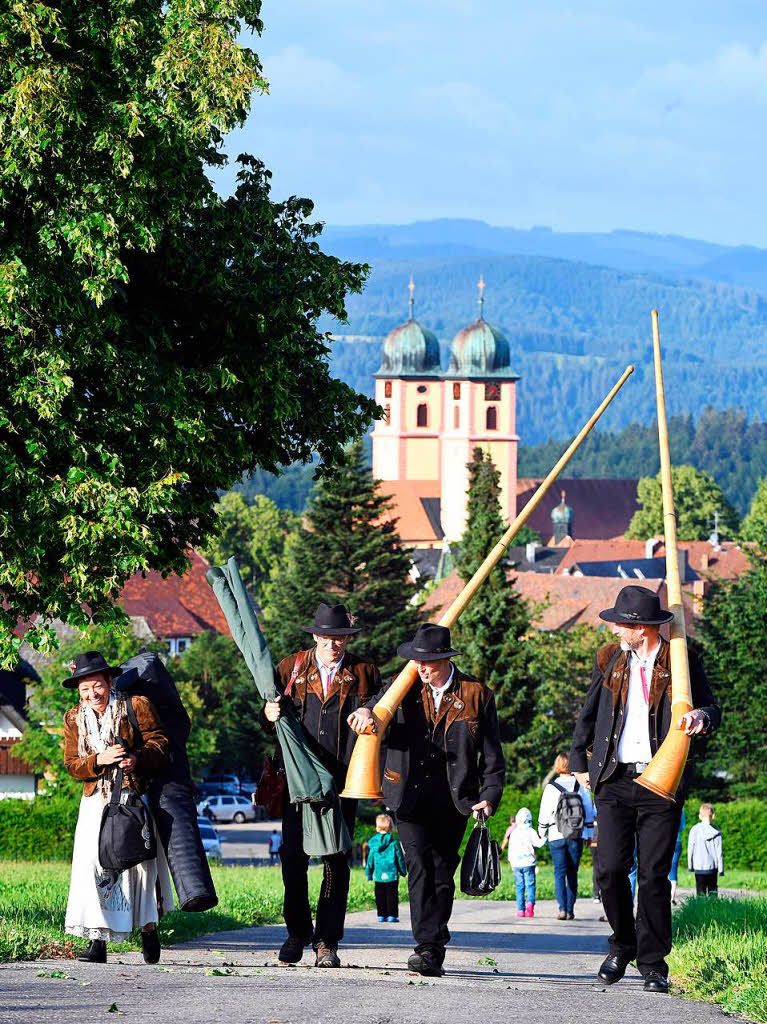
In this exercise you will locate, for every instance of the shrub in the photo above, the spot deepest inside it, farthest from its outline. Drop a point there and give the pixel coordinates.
(42, 829)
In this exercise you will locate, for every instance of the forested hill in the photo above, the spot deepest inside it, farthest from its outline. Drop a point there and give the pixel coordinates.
(572, 326)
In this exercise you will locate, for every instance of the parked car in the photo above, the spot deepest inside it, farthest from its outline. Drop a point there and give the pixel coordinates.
(211, 840)
(223, 783)
(227, 808)
(248, 787)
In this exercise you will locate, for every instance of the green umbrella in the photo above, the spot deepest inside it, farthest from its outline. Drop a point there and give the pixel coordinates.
(309, 782)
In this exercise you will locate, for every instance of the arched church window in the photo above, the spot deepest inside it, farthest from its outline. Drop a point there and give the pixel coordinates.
(422, 415)
(387, 414)
(456, 416)
(491, 418)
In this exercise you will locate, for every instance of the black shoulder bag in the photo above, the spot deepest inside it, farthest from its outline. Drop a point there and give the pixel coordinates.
(481, 864)
(127, 835)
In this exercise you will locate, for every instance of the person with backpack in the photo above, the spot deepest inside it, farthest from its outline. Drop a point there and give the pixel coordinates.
(112, 742)
(625, 717)
(565, 818)
(326, 684)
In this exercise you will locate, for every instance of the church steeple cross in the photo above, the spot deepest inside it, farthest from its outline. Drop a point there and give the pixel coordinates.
(481, 290)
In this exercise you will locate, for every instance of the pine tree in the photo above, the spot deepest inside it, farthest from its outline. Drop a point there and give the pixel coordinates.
(349, 552)
(492, 632)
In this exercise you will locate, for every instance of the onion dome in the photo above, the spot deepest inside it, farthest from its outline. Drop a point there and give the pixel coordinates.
(562, 519)
(481, 350)
(410, 350)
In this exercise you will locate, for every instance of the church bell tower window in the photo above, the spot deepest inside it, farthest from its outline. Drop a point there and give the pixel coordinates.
(491, 418)
(422, 415)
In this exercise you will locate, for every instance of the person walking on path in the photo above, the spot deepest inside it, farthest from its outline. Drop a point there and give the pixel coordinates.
(565, 818)
(624, 719)
(523, 840)
(443, 762)
(673, 875)
(326, 685)
(704, 852)
(275, 841)
(384, 864)
(99, 737)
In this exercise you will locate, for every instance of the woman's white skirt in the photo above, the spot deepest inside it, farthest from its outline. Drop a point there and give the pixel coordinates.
(96, 909)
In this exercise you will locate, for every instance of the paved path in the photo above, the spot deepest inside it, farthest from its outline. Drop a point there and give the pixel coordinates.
(499, 967)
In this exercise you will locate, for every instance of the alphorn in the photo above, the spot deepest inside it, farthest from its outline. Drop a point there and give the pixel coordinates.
(664, 772)
(363, 777)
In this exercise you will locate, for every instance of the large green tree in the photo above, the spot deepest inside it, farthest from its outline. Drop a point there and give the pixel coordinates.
(697, 497)
(732, 633)
(492, 633)
(254, 534)
(158, 340)
(754, 526)
(349, 552)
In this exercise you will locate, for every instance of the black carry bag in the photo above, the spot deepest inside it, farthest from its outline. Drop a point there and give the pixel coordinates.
(481, 864)
(126, 837)
(170, 795)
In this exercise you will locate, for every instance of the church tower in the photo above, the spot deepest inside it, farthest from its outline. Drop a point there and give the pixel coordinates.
(479, 402)
(406, 442)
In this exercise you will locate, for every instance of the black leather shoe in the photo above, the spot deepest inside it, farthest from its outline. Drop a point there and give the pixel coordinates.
(612, 969)
(96, 953)
(292, 950)
(327, 956)
(654, 981)
(150, 946)
(428, 963)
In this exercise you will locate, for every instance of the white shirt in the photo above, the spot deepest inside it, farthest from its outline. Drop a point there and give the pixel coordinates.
(634, 742)
(437, 692)
(327, 673)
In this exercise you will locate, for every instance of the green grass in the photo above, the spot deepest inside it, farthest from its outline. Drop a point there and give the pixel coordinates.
(720, 954)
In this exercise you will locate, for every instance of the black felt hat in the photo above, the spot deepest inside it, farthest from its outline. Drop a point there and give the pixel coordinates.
(332, 621)
(430, 643)
(636, 606)
(88, 664)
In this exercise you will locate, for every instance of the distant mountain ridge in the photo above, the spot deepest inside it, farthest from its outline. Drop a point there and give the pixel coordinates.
(572, 324)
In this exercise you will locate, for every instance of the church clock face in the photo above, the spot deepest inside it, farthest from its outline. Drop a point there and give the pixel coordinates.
(492, 392)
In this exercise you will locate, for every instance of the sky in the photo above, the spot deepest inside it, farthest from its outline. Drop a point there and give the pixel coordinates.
(584, 116)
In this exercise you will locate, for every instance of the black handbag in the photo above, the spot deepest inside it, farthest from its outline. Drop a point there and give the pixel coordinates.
(481, 864)
(127, 835)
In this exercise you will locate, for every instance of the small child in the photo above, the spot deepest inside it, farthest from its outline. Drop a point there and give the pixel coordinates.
(704, 852)
(385, 863)
(522, 840)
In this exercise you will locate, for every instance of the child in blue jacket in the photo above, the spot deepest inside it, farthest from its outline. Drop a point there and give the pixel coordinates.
(385, 863)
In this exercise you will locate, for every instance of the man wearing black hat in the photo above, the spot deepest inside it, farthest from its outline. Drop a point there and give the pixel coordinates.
(443, 762)
(624, 719)
(326, 684)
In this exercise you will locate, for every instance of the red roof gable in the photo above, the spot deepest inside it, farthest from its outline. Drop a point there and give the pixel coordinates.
(178, 606)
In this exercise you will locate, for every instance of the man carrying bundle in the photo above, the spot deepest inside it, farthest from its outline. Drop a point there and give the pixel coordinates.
(443, 762)
(623, 721)
(326, 685)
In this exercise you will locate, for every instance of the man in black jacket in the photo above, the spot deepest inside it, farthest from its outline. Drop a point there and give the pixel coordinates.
(624, 719)
(326, 684)
(443, 762)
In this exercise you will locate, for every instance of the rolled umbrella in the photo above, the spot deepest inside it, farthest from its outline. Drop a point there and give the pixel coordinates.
(309, 781)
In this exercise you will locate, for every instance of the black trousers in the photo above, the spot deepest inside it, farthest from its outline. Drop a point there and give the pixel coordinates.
(630, 814)
(431, 834)
(387, 899)
(706, 882)
(334, 891)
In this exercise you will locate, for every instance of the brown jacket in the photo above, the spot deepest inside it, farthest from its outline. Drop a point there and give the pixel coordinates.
(150, 749)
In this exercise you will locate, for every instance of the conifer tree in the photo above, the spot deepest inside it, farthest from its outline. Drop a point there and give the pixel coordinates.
(349, 552)
(491, 633)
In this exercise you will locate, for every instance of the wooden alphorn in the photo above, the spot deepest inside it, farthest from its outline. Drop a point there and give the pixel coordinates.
(363, 777)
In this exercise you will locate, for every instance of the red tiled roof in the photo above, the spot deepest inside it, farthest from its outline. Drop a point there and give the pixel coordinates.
(601, 508)
(413, 523)
(572, 600)
(728, 563)
(178, 606)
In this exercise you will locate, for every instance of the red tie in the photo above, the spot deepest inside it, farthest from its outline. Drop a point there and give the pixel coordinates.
(645, 691)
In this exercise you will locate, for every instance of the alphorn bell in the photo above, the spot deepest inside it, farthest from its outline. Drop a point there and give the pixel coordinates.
(664, 772)
(363, 777)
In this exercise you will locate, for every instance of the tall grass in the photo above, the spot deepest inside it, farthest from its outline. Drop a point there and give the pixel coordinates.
(720, 954)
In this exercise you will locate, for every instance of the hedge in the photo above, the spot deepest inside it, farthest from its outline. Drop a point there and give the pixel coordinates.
(39, 829)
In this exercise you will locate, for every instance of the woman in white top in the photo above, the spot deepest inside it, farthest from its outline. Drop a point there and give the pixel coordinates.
(565, 852)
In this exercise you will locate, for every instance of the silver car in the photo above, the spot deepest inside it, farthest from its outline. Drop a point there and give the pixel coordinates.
(226, 807)
(211, 840)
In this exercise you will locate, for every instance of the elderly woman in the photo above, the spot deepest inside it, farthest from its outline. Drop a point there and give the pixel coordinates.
(102, 906)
